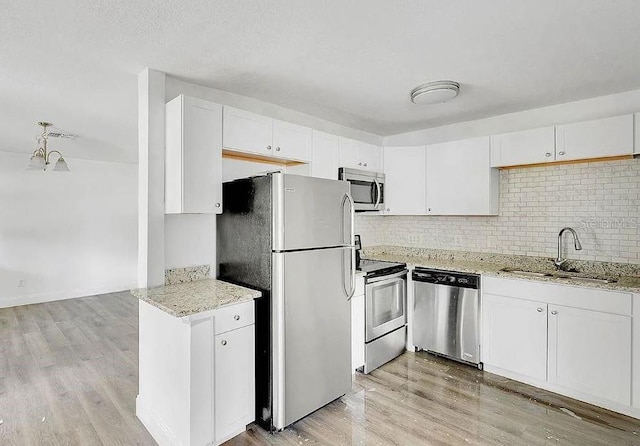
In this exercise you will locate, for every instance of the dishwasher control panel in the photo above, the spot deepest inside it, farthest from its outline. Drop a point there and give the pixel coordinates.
(450, 278)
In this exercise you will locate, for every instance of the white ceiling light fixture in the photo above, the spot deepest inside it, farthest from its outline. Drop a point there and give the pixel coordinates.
(437, 92)
(41, 156)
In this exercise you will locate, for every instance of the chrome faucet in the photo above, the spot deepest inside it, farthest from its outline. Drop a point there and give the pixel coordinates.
(559, 261)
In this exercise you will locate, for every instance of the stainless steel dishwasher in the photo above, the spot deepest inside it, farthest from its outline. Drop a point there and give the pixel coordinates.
(446, 314)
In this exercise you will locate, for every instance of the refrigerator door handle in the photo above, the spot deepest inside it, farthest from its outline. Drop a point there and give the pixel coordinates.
(349, 294)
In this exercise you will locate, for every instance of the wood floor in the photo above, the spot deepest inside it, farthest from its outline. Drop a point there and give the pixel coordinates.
(68, 376)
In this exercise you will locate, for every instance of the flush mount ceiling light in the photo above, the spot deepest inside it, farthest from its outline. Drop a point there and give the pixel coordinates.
(41, 156)
(435, 92)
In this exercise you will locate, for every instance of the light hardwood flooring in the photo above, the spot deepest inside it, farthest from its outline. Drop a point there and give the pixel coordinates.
(68, 376)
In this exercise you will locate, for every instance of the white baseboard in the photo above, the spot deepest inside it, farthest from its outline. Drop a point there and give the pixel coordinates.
(596, 401)
(156, 427)
(39, 298)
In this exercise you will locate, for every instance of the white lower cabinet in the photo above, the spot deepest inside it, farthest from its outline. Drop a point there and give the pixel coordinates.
(590, 352)
(515, 335)
(576, 341)
(234, 389)
(196, 374)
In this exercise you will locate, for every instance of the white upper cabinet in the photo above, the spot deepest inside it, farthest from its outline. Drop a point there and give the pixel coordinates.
(525, 147)
(291, 141)
(595, 139)
(590, 352)
(360, 155)
(193, 167)
(247, 132)
(460, 179)
(405, 180)
(326, 150)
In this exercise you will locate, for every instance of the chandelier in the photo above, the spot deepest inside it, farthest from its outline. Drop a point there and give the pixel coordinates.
(41, 157)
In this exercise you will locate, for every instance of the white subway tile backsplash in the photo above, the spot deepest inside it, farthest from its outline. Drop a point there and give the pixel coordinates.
(600, 200)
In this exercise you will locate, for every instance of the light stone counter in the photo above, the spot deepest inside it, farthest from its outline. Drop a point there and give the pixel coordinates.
(627, 276)
(187, 299)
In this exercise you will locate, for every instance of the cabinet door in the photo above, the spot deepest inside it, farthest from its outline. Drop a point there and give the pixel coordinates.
(526, 147)
(291, 141)
(595, 139)
(247, 132)
(405, 180)
(357, 330)
(349, 155)
(370, 157)
(234, 391)
(590, 352)
(326, 149)
(514, 335)
(193, 167)
(460, 180)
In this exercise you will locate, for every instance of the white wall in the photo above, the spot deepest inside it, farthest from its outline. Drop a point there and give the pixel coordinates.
(600, 200)
(594, 108)
(66, 234)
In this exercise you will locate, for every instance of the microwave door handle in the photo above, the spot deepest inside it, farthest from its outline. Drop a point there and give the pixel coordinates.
(378, 193)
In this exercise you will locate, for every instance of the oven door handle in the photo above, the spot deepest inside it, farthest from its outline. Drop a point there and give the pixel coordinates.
(378, 193)
(390, 278)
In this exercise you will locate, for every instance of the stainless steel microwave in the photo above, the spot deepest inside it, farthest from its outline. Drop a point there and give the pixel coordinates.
(367, 188)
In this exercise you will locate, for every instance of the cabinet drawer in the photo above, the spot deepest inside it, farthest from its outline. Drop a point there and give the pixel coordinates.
(234, 316)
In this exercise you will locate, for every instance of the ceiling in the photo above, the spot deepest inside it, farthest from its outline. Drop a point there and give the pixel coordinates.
(353, 63)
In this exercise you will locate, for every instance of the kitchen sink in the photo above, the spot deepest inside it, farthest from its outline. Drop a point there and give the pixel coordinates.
(560, 275)
(584, 278)
(526, 273)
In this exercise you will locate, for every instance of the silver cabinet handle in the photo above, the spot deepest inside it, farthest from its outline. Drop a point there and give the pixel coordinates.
(365, 164)
(429, 209)
(539, 310)
(277, 149)
(359, 164)
(548, 154)
(237, 317)
(268, 147)
(388, 209)
(217, 205)
(561, 152)
(554, 312)
(224, 342)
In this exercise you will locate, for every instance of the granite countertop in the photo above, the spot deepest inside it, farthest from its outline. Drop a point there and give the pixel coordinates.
(626, 276)
(187, 299)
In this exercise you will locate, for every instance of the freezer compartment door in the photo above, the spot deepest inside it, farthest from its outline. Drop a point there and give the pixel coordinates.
(311, 213)
(446, 321)
(312, 332)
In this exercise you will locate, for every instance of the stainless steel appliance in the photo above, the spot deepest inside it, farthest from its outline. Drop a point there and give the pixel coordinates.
(292, 238)
(446, 314)
(367, 188)
(385, 303)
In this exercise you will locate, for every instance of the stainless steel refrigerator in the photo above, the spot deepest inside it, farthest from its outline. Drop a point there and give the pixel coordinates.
(292, 238)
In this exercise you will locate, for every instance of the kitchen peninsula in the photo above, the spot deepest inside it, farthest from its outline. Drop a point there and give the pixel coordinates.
(196, 361)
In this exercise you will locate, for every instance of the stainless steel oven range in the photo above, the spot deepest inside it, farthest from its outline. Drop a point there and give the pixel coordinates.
(385, 311)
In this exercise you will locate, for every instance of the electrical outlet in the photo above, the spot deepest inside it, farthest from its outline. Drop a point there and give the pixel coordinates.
(21, 283)
(414, 238)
